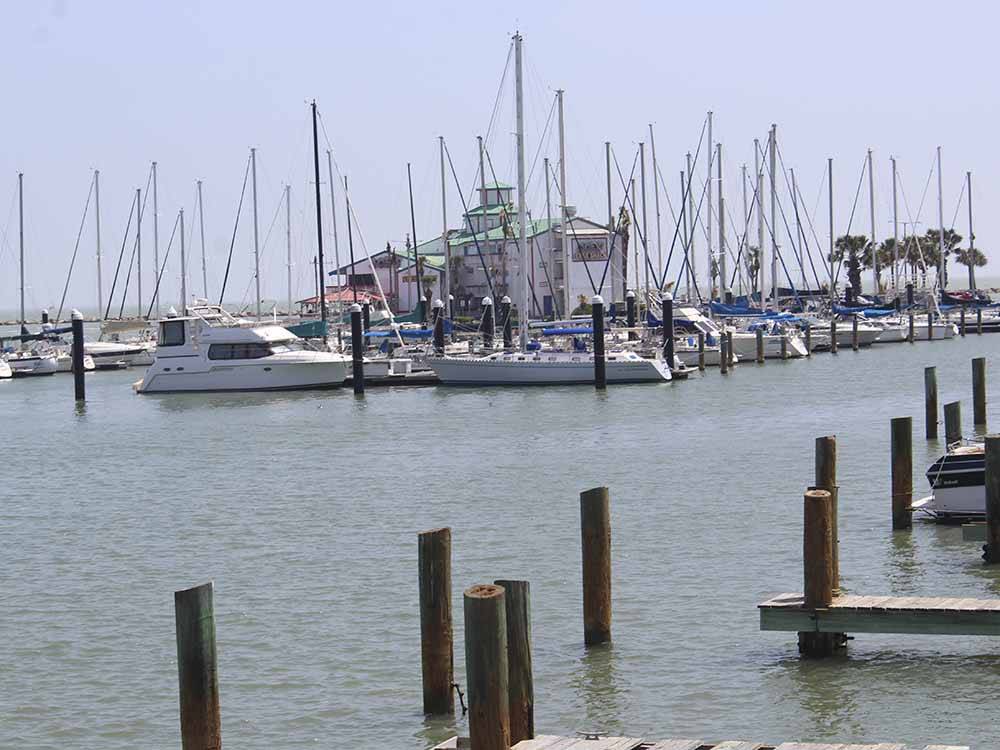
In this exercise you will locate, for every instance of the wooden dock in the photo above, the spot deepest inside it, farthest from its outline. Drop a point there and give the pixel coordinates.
(595, 742)
(883, 614)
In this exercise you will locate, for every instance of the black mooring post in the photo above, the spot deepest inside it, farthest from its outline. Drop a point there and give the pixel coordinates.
(437, 314)
(630, 315)
(45, 317)
(667, 304)
(357, 350)
(79, 387)
(488, 324)
(597, 312)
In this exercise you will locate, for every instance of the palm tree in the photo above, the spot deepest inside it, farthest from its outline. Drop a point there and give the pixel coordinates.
(951, 241)
(850, 245)
(972, 258)
(881, 256)
(752, 254)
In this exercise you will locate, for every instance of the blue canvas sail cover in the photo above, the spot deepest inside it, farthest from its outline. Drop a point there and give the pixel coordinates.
(567, 331)
(721, 308)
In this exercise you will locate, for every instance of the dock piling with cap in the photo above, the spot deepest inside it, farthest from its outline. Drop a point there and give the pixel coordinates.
(809, 343)
(437, 313)
(357, 351)
(507, 325)
(436, 636)
(961, 322)
(930, 403)
(759, 338)
(901, 450)
(667, 308)
(723, 353)
(854, 332)
(197, 669)
(910, 334)
(833, 335)
(979, 391)
(991, 550)
(486, 667)
(595, 535)
(826, 479)
(701, 350)
(488, 324)
(597, 319)
(79, 385)
(817, 556)
(630, 315)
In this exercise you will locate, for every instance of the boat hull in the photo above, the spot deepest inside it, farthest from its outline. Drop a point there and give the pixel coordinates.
(489, 372)
(259, 375)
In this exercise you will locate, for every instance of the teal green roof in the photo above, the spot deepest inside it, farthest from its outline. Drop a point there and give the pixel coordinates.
(498, 186)
(534, 228)
(492, 209)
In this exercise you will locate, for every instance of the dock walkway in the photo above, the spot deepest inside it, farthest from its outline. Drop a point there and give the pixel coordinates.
(593, 742)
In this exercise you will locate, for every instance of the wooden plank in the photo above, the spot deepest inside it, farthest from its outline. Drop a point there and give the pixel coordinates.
(842, 620)
(677, 745)
(583, 743)
(738, 745)
(539, 742)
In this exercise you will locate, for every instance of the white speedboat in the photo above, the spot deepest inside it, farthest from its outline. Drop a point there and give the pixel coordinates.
(687, 319)
(546, 368)
(128, 341)
(209, 350)
(958, 484)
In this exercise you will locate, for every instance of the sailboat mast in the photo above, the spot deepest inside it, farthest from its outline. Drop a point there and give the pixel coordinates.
(746, 223)
(645, 234)
(522, 219)
(774, 216)
(446, 292)
(256, 239)
(687, 235)
(416, 287)
(20, 235)
(708, 211)
(350, 241)
(336, 241)
(895, 231)
(723, 278)
(656, 201)
(942, 279)
(759, 205)
(288, 242)
(972, 239)
(616, 267)
(183, 268)
(692, 226)
(201, 230)
(97, 220)
(138, 248)
(829, 190)
(156, 242)
(563, 219)
(320, 266)
(871, 206)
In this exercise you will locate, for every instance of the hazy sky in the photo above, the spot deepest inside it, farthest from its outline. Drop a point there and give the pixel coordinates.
(115, 85)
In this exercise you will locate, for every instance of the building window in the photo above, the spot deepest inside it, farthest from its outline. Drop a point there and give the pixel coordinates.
(171, 333)
(239, 351)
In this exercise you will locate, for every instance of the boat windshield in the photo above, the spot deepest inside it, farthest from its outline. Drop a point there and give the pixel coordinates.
(291, 345)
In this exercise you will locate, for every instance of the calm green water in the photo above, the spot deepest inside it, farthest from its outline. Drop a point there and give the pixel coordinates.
(304, 510)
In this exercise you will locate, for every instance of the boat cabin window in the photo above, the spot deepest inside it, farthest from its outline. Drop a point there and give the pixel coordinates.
(239, 351)
(172, 333)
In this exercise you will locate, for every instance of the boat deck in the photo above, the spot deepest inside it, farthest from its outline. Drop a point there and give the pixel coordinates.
(883, 614)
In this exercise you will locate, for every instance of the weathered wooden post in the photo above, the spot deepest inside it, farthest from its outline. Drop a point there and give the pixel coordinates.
(826, 479)
(597, 319)
(730, 356)
(961, 322)
(910, 336)
(991, 550)
(701, 350)
(979, 391)
(817, 558)
(723, 353)
(979, 321)
(930, 324)
(930, 402)
(437, 660)
(833, 335)
(79, 385)
(953, 422)
(357, 351)
(595, 534)
(854, 332)
(508, 324)
(901, 449)
(486, 667)
(520, 683)
(784, 345)
(487, 323)
(759, 336)
(366, 318)
(630, 315)
(197, 670)
(809, 340)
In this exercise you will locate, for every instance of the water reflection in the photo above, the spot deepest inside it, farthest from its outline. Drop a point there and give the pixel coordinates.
(825, 691)
(198, 402)
(599, 690)
(436, 729)
(905, 570)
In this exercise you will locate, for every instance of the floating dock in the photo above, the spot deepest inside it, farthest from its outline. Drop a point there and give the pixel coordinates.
(883, 614)
(595, 742)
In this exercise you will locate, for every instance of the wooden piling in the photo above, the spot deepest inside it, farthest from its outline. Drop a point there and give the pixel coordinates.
(930, 325)
(357, 351)
(901, 449)
(953, 422)
(817, 557)
(437, 313)
(979, 321)
(833, 335)
(991, 550)
(197, 670)
(759, 334)
(595, 534)
(487, 323)
(809, 342)
(597, 320)
(930, 402)
(437, 659)
(961, 322)
(701, 350)
(520, 683)
(486, 667)
(826, 479)
(784, 346)
(854, 333)
(910, 335)
(667, 307)
(723, 353)
(630, 317)
(729, 349)
(979, 391)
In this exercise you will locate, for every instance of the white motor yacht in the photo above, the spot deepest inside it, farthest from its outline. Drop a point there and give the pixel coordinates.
(209, 350)
(958, 484)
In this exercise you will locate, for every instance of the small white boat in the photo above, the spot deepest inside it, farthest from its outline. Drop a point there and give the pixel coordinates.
(958, 484)
(26, 364)
(547, 368)
(209, 350)
(129, 341)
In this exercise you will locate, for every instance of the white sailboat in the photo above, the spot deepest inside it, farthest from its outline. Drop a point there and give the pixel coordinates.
(210, 350)
(537, 366)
